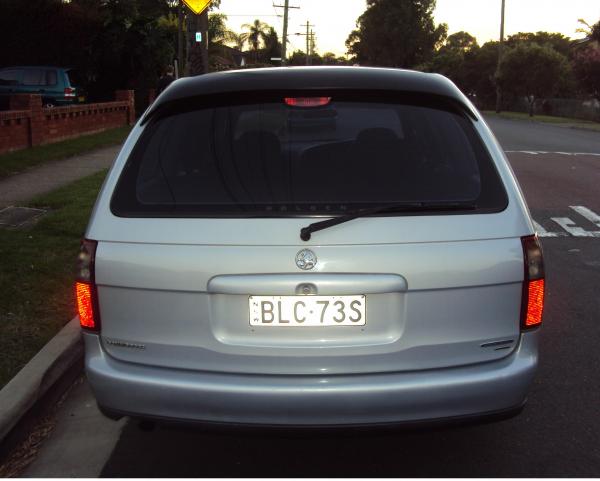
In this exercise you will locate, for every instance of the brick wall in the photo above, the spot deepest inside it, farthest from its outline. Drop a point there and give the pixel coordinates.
(14, 130)
(27, 124)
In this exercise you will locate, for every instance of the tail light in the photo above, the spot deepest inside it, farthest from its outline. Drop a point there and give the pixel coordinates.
(69, 92)
(532, 304)
(307, 102)
(85, 287)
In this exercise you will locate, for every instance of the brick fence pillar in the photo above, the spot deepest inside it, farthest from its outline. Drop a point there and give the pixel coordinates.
(127, 96)
(33, 103)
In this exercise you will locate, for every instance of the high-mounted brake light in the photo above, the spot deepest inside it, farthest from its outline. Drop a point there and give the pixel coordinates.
(305, 102)
(532, 304)
(85, 287)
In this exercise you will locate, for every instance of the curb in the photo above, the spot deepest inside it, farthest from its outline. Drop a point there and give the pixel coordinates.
(39, 375)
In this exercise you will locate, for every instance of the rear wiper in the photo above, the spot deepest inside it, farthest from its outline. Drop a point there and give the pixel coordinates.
(306, 232)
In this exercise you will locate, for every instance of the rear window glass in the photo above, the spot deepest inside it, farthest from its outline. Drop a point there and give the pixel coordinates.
(9, 77)
(273, 159)
(73, 78)
(51, 77)
(34, 77)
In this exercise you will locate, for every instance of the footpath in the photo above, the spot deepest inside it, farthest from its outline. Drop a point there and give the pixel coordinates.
(36, 386)
(20, 188)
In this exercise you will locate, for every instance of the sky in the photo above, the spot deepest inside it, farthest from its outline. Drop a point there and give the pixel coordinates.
(333, 20)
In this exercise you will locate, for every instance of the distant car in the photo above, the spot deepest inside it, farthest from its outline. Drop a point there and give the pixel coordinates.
(54, 84)
(243, 264)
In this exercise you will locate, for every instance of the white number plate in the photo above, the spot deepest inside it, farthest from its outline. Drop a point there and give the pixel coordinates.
(307, 311)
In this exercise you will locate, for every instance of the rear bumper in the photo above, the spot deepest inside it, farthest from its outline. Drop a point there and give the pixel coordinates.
(339, 400)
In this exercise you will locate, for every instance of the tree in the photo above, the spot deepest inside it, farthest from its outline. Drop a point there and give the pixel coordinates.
(592, 32)
(534, 71)
(396, 33)
(480, 70)
(557, 41)
(297, 58)
(255, 36)
(460, 42)
(272, 45)
(218, 33)
(218, 37)
(451, 60)
(586, 67)
(237, 40)
(329, 58)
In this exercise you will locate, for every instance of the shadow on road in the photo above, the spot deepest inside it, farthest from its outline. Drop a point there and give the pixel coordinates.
(169, 451)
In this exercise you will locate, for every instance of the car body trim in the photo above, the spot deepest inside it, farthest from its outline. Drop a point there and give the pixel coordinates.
(325, 284)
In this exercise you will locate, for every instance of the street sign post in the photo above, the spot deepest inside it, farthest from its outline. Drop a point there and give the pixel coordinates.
(197, 6)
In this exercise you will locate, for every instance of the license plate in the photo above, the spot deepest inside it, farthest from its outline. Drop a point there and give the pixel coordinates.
(82, 99)
(307, 311)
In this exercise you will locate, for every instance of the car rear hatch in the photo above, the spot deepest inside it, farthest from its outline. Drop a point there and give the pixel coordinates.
(202, 228)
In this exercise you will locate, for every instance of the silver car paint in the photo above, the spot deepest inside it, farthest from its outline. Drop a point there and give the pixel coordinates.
(312, 400)
(440, 290)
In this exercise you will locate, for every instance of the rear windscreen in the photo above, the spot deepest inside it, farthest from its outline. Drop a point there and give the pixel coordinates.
(303, 157)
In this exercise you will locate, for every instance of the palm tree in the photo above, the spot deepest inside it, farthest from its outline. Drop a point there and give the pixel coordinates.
(257, 31)
(237, 40)
(271, 39)
(272, 45)
(220, 37)
(592, 32)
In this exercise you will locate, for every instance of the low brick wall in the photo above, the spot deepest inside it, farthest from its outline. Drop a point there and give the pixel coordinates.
(27, 124)
(14, 130)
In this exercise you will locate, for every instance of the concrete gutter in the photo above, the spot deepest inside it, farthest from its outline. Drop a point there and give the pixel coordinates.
(32, 382)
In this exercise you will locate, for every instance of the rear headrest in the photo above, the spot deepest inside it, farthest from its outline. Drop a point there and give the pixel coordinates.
(377, 135)
(266, 141)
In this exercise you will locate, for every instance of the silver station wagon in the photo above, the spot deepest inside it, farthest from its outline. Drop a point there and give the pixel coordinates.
(311, 247)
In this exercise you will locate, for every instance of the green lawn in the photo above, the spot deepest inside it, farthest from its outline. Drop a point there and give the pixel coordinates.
(21, 160)
(37, 267)
(576, 123)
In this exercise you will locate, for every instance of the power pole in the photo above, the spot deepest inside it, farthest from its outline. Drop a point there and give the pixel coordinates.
(308, 34)
(197, 54)
(286, 12)
(500, 52)
(203, 23)
(308, 59)
(180, 62)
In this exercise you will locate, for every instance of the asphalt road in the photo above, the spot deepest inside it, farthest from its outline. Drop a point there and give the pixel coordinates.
(558, 433)
(534, 136)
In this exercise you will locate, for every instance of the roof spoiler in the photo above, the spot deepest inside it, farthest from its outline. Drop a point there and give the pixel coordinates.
(181, 105)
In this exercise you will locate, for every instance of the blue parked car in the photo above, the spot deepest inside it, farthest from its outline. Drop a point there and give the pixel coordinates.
(54, 84)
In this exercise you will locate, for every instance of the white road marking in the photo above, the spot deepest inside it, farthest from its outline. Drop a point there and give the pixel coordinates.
(538, 152)
(568, 225)
(587, 213)
(544, 233)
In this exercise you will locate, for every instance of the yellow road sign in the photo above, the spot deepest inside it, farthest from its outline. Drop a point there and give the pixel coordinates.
(197, 6)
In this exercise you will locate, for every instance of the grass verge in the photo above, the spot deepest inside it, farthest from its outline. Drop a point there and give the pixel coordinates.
(37, 267)
(22, 160)
(547, 119)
